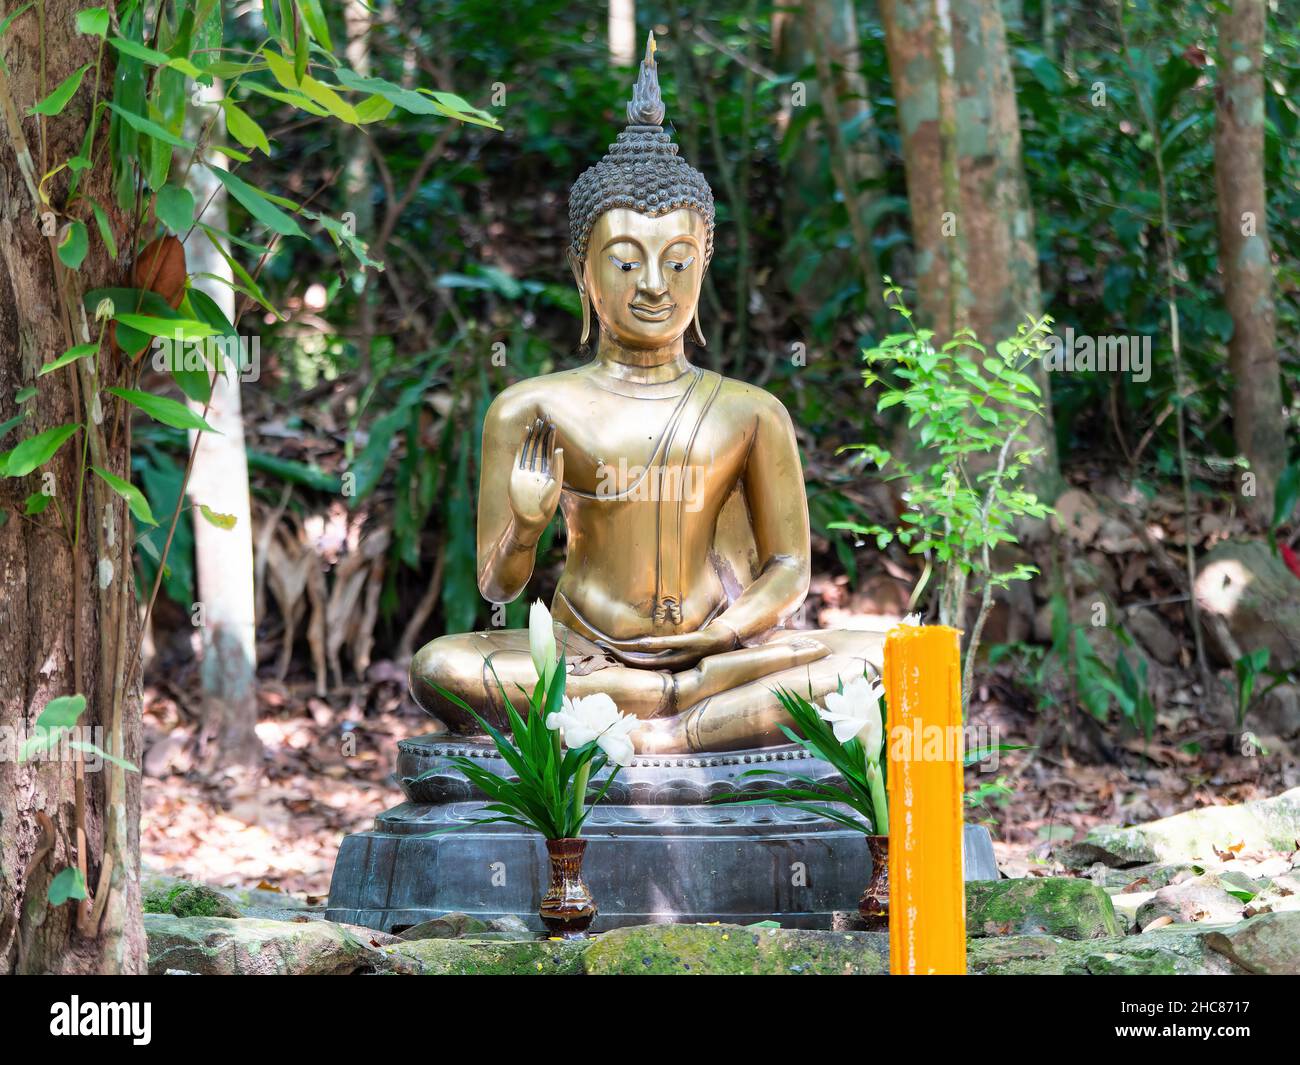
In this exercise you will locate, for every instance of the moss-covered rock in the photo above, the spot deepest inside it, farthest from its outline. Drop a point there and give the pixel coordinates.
(448, 926)
(221, 946)
(1201, 898)
(183, 899)
(1055, 906)
(734, 950)
(1263, 825)
(1163, 953)
(1267, 945)
(470, 957)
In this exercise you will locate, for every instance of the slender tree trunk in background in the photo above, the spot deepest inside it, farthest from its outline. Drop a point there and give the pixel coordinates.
(833, 39)
(1257, 411)
(357, 177)
(61, 630)
(223, 558)
(823, 37)
(622, 33)
(976, 261)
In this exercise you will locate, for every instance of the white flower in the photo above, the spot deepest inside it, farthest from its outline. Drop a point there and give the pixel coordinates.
(595, 717)
(541, 640)
(855, 713)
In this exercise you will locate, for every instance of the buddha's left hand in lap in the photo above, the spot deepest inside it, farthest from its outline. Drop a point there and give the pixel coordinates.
(678, 649)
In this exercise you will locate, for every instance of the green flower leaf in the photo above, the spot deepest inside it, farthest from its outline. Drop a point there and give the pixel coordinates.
(135, 50)
(94, 21)
(258, 204)
(149, 127)
(38, 450)
(167, 328)
(133, 496)
(72, 248)
(162, 409)
(175, 208)
(71, 355)
(243, 128)
(221, 521)
(86, 747)
(58, 99)
(69, 884)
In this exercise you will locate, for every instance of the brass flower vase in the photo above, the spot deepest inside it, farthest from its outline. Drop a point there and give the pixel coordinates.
(567, 908)
(873, 907)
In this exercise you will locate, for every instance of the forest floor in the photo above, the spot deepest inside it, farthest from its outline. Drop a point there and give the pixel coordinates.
(328, 769)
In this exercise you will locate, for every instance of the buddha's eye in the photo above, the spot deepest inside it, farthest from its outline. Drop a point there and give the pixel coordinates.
(626, 267)
(678, 267)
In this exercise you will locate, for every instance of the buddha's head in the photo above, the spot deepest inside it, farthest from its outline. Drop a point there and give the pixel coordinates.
(641, 224)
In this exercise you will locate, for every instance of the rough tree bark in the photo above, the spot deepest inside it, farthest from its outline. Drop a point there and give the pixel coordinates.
(976, 261)
(1257, 412)
(59, 625)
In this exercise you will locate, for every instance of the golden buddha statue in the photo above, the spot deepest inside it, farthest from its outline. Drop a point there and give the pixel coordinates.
(682, 492)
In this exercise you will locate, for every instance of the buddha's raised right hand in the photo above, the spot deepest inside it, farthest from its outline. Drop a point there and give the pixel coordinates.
(536, 479)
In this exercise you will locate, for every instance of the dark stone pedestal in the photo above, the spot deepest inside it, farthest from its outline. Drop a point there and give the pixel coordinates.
(656, 850)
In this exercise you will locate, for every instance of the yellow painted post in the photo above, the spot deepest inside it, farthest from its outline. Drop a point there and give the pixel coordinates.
(927, 904)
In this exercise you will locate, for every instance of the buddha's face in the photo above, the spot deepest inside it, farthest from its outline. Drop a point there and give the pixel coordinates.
(643, 274)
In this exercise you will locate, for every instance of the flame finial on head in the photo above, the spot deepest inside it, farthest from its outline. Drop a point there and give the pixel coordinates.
(642, 170)
(646, 108)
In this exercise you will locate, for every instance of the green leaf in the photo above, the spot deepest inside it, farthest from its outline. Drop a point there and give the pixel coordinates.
(317, 26)
(94, 21)
(281, 68)
(105, 229)
(86, 747)
(74, 245)
(166, 328)
(453, 106)
(330, 100)
(373, 109)
(150, 128)
(174, 207)
(63, 711)
(36, 504)
(24, 394)
(69, 884)
(58, 717)
(58, 99)
(1288, 492)
(221, 521)
(244, 129)
(256, 203)
(135, 50)
(38, 450)
(134, 499)
(9, 18)
(71, 355)
(162, 409)
(293, 99)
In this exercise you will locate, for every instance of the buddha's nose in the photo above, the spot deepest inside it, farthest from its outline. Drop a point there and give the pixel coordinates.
(652, 284)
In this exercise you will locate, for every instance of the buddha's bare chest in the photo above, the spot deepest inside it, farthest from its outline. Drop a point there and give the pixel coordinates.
(646, 449)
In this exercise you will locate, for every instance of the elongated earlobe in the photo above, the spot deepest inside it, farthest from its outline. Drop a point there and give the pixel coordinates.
(697, 330)
(577, 265)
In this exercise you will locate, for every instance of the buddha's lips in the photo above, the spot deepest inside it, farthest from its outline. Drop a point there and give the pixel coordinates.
(657, 313)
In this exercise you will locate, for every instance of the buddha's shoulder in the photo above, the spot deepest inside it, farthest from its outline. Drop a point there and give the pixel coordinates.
(529, 397)
(741, 396)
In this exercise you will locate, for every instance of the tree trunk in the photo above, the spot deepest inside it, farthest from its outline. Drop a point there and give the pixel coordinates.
(1257, 411)
(622, 33)
(223, 558)
(976, 261)
(67, 617)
